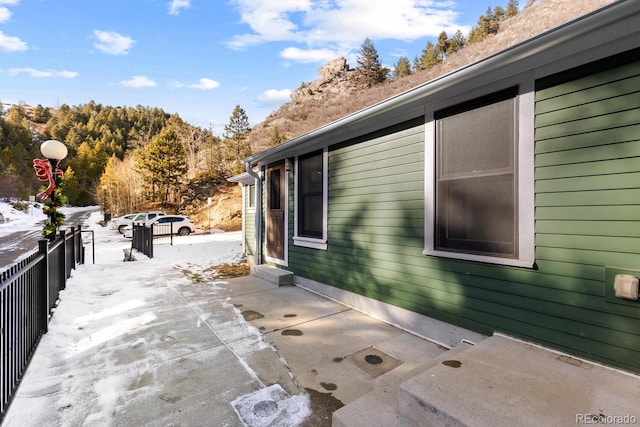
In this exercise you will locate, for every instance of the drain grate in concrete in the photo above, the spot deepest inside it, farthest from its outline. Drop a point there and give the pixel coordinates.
(374, 361)
(271, 406)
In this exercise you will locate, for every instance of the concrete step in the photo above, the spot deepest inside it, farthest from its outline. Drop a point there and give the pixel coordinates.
(504, 382)
(380, 406)
(273, 275)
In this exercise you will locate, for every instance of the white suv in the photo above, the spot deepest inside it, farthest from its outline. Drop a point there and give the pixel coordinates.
(166, 224)
(146, 216)
(121, 222)
(139, 218)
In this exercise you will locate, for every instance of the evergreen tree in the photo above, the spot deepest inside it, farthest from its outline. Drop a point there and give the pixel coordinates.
(369, 70)
(236, 132)
(16, 126)
(76, 195)
(442, 46)
(81, 163)
(488, 24)
(276, 137)
(9, 179)
(215, 158)
(41, 114)
(429, 57)
(512, 8)
(6, 158)
(402, 68)
(163, 163)
(457, 42)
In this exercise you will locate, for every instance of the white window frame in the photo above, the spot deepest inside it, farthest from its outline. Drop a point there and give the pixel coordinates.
(525, 145)
(310, 242)
(251, 202)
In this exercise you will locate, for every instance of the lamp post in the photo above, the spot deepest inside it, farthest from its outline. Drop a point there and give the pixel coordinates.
(47, 170)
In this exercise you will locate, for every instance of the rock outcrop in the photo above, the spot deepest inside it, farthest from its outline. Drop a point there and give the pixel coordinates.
(333, 80)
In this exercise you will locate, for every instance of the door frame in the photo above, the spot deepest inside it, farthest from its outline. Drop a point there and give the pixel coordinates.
(284, 180)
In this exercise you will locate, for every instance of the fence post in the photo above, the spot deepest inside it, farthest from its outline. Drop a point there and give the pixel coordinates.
(43, 281)
(80, 247)
(73, 248)
(63, 261)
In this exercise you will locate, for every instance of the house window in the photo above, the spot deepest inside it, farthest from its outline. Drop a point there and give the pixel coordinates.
(311, 200)
(251, 194)
(476, 181)
(481, 207)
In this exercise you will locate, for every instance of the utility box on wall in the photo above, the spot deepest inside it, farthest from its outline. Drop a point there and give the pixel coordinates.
(621, 286)
(625, 286)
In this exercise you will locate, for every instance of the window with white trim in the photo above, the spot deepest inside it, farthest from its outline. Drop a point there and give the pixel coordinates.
(311, 200)
(251, 195)
(481, 175)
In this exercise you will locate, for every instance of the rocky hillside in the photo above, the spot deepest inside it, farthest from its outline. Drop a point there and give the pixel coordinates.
(332, 95)
(223, 213)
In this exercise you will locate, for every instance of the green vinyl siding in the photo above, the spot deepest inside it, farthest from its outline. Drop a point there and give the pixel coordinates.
(588, 199)
(587, 213)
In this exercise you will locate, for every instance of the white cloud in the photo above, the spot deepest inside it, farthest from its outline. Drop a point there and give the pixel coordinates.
(112, 43)
(309, 55)
(341, 25)
(275, 96)
(176, 5)
(11, 44)
(9, 2)
(42, 73)
(269, 21)
(205, 84)
(138, 81)
(5, 14)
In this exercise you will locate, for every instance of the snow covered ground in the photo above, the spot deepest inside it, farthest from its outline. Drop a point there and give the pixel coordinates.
(17, 220)
(97, 308)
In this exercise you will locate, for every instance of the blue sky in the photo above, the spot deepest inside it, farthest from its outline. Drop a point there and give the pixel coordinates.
(200, 58)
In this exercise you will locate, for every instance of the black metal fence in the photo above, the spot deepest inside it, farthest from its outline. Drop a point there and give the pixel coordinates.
(144, 236)
(29, 291)
(142, 239)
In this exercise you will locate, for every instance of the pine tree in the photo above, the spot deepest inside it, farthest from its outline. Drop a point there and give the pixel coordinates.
(488, 24)
(236, 132)
(9, 178)
(442, 46)
(402, 68)
(512, 8)
(72, 189)
(369, 70)
(429, 57)
(457, 42)
(41, 114)
(163, 163)
(276, 137)
(81, 163)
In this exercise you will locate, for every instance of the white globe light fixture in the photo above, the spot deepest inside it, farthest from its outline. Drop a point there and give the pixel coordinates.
(53, 150)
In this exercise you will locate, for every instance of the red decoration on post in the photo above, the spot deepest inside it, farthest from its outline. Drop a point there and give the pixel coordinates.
(44, 173)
